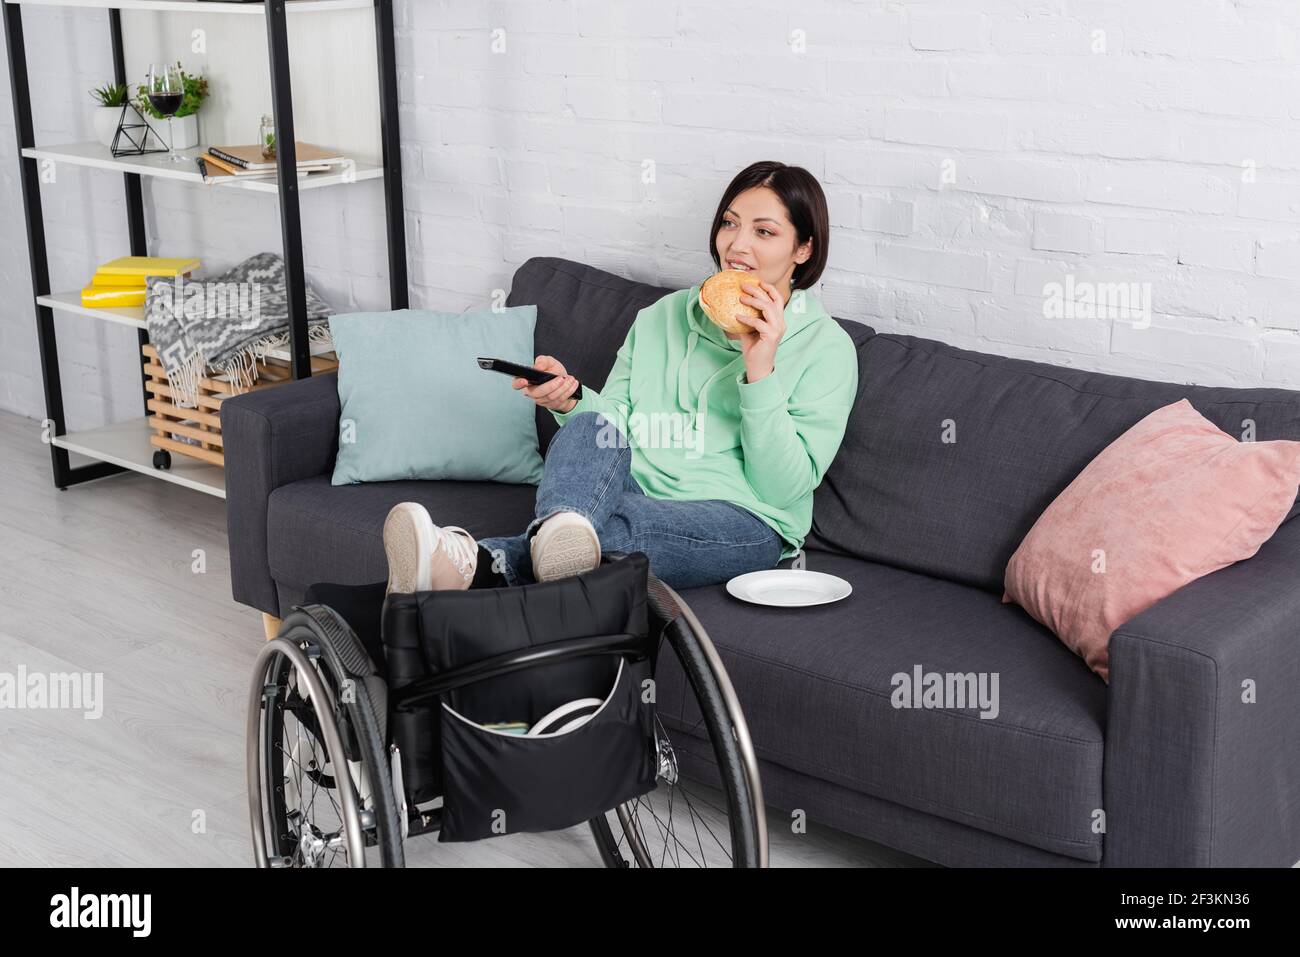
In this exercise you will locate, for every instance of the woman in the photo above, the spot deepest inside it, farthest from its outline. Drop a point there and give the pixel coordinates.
(703, 448)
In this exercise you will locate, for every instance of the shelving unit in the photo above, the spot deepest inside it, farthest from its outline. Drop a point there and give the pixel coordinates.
(125, 446)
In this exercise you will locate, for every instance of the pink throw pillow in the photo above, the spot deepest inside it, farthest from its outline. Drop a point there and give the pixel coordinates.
(1170, 500)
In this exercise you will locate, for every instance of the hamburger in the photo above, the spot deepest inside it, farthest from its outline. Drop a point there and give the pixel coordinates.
(720, 300)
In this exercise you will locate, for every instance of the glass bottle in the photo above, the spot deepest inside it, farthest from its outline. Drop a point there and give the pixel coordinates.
(266, 136)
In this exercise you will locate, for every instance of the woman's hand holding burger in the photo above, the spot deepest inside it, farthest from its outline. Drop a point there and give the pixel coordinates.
(758, 345)
(554, 394)
(750, 311)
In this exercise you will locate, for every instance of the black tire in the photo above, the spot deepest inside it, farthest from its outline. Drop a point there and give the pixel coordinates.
(621, 840)
(276, 815)
(162, 459)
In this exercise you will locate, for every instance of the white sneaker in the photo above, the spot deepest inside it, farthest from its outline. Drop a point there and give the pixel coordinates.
(424, 557)
(565, 544)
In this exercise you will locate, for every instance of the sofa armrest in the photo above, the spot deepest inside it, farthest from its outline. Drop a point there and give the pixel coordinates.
(271, 437)
(1195, 776)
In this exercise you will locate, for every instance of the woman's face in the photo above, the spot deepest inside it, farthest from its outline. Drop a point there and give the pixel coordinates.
(756, 232)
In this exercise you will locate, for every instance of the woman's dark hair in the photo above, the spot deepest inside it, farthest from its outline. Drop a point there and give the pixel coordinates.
(805, 204)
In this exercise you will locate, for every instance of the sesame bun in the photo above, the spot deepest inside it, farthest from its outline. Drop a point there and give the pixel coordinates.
(720, 300)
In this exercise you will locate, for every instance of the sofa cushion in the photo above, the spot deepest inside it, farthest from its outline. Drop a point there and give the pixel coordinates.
(950, 456)
(816, 686)
(415, 404)
(318, 532)
(1171, 500)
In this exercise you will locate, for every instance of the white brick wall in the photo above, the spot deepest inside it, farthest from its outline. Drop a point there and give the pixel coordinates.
(973, 151)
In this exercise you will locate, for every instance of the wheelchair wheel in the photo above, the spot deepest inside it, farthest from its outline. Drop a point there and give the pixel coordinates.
(685, 823)
(319, 784)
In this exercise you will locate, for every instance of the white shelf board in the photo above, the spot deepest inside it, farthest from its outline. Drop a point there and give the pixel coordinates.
(127, 444)
(193, 6)
(134, 316)
(97, 156)
(71, 302)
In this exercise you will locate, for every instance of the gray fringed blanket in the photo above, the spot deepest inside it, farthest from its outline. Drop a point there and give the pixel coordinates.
(224, 325)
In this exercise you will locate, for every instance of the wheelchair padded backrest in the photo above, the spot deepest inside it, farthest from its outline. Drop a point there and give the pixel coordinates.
(431, 632)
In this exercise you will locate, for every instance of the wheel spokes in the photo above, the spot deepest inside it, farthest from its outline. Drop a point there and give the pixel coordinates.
(694, 829)
(312, 811)
(683, 828)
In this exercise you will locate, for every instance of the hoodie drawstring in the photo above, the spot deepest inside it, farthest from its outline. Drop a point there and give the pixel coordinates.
(689, 401)
(683, 379)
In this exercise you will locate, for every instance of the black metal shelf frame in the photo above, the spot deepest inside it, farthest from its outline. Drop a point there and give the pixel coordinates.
(277, 36)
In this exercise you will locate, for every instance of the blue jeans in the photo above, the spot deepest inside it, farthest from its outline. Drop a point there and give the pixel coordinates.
(689, 543)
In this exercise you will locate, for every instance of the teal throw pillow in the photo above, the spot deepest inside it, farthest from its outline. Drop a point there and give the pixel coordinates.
(415, 404)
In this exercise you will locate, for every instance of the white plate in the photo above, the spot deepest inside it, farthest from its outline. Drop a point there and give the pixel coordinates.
(788, 587)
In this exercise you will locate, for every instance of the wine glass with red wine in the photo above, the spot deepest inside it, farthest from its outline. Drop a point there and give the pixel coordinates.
(165, 89)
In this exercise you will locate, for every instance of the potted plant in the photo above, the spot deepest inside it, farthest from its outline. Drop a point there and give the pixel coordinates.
(180, 130)
(111, 97)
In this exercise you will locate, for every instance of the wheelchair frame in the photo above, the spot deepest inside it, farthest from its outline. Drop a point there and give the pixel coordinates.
(337, 644)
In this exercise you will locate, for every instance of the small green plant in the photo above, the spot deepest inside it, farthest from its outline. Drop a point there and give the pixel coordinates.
(196, 91)
(269, 146)
(110, 94)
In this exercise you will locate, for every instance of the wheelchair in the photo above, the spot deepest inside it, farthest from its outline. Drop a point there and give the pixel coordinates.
(349, 758)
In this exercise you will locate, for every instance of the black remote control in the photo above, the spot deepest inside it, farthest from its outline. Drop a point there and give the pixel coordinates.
(514, 369)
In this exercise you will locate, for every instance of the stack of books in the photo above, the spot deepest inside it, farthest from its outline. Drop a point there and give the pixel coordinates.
(121, 282)
(248, 161)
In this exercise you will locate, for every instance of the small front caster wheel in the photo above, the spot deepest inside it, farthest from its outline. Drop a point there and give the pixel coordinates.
(162, 459)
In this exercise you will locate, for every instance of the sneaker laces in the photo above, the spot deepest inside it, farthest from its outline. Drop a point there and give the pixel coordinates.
(461, 548)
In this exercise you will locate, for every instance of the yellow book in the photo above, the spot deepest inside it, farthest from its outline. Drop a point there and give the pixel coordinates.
(109, 279)
(111, 297)
(148, 266)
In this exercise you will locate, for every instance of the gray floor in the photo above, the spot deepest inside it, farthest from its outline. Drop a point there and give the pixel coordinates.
(101, 578)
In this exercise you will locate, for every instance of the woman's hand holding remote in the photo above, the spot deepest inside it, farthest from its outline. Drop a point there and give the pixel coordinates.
(555, 394)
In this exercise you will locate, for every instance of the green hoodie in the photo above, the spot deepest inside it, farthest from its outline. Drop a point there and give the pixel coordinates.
(699, 430)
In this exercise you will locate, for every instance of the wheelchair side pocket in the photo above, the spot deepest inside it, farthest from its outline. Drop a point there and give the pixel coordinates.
(499, 783)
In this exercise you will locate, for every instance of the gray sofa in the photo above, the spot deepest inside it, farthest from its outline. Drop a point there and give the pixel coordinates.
(1168, 766)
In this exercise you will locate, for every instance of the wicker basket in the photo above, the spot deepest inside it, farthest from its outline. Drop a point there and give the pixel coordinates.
(197, 432)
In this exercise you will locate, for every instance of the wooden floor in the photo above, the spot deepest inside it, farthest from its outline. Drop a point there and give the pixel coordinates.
(102, 578)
